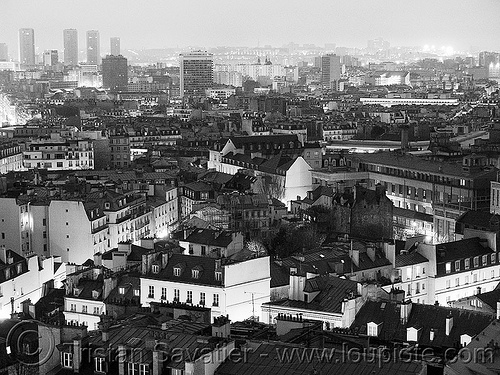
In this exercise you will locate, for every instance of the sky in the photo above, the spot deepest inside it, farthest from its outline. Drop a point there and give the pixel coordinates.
(210, 23)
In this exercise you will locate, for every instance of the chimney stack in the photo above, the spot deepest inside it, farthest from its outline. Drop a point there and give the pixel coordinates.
(449, 324)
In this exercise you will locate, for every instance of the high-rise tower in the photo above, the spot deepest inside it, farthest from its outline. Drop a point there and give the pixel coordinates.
(70, 37)
(114, 73)
(27, 46)
(93, 47)
(115, 46)
(196, 73)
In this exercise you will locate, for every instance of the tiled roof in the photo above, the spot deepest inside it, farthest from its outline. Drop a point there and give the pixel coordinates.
(86, 287)
(394, 329)
(479, 219)
(264, 360)
(332, 291)
(410, 259)
(187, 263)
(210, 237)
(469, 247)
(128, 284)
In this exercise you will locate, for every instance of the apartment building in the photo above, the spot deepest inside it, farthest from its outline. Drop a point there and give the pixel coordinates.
(223, 285)
(11, 156)
(59, 154)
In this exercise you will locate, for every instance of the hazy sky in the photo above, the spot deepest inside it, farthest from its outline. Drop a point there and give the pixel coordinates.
(170, 23)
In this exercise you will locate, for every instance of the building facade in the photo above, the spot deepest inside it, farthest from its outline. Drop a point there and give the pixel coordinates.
(196, 73)
(70, 37)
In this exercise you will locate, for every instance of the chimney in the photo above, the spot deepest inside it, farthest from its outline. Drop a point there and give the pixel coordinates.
(148, 243)
(125, 247)
(431, 334)
(449, 324)
(370, 251)
(405, 311)
(77, 354)
(3, 254)
(354, 255)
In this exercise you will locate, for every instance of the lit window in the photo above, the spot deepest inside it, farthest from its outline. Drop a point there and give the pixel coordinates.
(156, 268)
(467, 263)
(121, 290)
(218, 275)
(195, 274)
(177, 271)
(99, 364)
(67, 360)
(448, 267)
(457, 265)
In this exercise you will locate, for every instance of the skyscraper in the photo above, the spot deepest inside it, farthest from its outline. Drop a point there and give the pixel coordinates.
(93, 47)
(4, 52)
(196, 71)
(114, 73)
(115, 46)
(70, 37)
(27, 46)
(331, 68)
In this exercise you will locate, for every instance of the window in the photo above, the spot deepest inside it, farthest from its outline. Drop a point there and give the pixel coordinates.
(203, 250)
(457, 265)
(474, 278)
(73, 307)
(177, 271)
(121, 290)
(97, 310)
(151, 291)
(137, 369)
(216, 300)
(177, 295)
(44, 234)
(44, 222)
(156, 268)
(493, 258)
(191, 250)
(447, 284)
(3, 236)
(163, 293)
(372, 329)
(492, 274)
(218, 275)
(448, 267)
(67, 360)
(189, 298)
(476, 261)
(99, 364)
(84, 309)
(195, 274)
(467, 263)
(202, 298)
(137, 292)
(466, 279)
(457, 282)
(485, 260)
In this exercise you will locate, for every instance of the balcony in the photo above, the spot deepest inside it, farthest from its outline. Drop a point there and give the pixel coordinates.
(99, 228)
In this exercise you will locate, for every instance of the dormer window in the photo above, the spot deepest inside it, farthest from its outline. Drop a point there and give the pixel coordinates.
(467, 263)
(457, 265)
(493, 258)
(76, 292)
(177, 271)
(195, 274)
(121, 290)
(136, 292)
(156, 268)
(485, 260)
(218, 275)
(107, 205)
(476, 261)
(95, 294)
(373, 329)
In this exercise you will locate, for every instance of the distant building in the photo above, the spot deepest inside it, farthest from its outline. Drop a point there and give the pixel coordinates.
(27, 46)
(4, 52)
(115, 73)
(331, 69)
(115, 46)
(93, 47)
(50, 57)
(196, 73)
(70, 37)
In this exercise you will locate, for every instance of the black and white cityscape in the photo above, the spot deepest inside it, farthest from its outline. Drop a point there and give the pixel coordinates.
(215, 187)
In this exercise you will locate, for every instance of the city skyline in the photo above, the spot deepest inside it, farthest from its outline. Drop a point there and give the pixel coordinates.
(163, 25)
